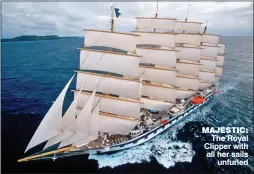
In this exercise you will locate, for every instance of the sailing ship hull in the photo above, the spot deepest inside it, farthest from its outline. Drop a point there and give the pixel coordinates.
(138, 140)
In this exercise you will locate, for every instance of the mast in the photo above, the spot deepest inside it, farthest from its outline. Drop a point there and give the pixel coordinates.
(205, 27)
(112, 22)
(156, 15)
(187, 13)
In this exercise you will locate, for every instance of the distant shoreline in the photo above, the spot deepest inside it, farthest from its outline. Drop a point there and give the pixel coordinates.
(34, 38)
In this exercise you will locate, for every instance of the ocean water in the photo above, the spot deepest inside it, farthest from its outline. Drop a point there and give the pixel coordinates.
(34, 73)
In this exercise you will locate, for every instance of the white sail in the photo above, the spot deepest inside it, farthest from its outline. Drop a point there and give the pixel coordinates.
(93, 128)
(209, 51)
(160, 57)
(207, 76)
(182, 94)
(114, 105)
(165, 76)
(188, 53)
(159, 92)
(191, 27)
(220, 61)
(208, 64)
(221, 49)
(187, 82)
(115, 124)
(155, 104)
(210, 39)
(157, 23)
(156, 38)
(51, 123)
(218, 71)
(68, 126)
(204, 85)
(187, 38)
(68, 123)
(108, 84)
(188, 68)
(122, 41)
(110, 62)
(82, 123)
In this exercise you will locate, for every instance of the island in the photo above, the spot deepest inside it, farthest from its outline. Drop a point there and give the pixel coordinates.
(32, 38)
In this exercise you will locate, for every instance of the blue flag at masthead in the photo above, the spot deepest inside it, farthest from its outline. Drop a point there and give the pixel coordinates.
(117, 12)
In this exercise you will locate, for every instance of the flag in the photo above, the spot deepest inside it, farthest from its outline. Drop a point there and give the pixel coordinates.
(117, 12)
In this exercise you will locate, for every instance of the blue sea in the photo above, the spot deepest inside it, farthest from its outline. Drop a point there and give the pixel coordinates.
(34, 73)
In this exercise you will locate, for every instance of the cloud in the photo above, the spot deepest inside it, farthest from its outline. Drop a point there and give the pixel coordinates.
(69, 18)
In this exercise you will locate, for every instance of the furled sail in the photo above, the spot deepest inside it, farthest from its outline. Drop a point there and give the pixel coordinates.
(220, 61)
(187, 82)
(159, 92)
(188, 53)
(122, 41)
(156, 38)
(207, 75)
(157, 23)
(221, 49)
(109, 61)
(210, 39)
(190, 27)
(155, 104)
(188, 68)
(108, 84)
(152, 74)
(82, 123)
(162, 57)
(208, 63)
(51, 123)
(120, 106)
(209, 51)
(188, 38)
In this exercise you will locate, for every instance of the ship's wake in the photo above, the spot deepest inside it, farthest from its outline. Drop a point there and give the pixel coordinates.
(166, 152)
(165, 148)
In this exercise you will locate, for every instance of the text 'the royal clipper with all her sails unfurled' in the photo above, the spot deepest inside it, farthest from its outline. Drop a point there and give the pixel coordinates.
(125, 98)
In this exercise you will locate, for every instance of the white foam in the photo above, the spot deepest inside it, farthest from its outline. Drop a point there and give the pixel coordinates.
(166, 151)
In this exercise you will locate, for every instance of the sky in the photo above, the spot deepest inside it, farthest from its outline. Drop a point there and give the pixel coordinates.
(70, 18)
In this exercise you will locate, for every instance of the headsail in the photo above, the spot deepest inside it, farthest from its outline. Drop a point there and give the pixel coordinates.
(93, 128)
(82, 123)
(67, 124)
(51, 123)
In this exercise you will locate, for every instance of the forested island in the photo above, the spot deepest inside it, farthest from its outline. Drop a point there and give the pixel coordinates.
(32, 38)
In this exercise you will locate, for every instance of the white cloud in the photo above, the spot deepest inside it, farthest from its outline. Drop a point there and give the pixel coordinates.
(69, 18)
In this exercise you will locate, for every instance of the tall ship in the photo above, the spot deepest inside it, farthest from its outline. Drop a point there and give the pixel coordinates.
(145, 82)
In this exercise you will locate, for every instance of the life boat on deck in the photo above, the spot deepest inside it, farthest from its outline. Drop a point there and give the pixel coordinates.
(198, 99)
